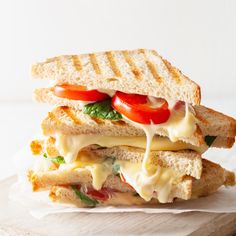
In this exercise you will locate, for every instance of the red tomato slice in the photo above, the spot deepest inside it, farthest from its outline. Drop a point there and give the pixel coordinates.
(178, 105)
(136, 108)
(77, 92)
(101, 195)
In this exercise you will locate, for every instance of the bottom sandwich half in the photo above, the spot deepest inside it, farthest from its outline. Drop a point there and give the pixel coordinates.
(114, 176)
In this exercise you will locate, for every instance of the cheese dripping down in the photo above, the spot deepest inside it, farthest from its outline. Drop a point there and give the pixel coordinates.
(145, 178)
(181, 124)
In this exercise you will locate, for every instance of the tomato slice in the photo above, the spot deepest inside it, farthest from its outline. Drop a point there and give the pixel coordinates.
(138, 108)
(178, 105)
(77, 92)
(101, 195)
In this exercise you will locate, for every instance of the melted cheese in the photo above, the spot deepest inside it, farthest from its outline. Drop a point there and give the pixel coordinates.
(158, 180)
(99, 168)
(127, 198)
(181, 124)
(145, 178)
(70, 145)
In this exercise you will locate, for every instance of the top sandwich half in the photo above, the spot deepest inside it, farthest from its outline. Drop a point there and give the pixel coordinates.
(128, 78)
(136, 72)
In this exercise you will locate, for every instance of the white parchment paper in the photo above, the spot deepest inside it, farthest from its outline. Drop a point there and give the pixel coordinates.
(39, 205)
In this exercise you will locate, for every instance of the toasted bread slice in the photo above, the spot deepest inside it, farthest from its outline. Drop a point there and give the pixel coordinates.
(71, 121)
(138, 71)
(83, 177)
(183, 162)
(187, 160)
(212, 178)
(130, 198)
(211, 121)
(66, 195)
(215, 123)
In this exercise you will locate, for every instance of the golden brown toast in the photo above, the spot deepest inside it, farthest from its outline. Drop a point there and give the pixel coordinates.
(140, 71)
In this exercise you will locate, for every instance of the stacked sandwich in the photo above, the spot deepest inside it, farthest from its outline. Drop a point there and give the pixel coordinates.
(126, 129)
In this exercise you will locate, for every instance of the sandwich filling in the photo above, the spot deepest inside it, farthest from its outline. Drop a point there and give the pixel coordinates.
(147, 113)
(158, 184)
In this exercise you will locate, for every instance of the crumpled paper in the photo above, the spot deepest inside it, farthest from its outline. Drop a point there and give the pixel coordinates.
(39, 205)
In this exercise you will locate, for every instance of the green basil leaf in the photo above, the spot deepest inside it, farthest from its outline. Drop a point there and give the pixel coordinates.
(102, 110)
(115, 168)
(209, 140)
(58, 160)
(84, 198)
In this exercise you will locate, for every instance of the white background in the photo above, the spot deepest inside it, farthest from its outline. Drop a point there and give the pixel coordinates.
(197, 36)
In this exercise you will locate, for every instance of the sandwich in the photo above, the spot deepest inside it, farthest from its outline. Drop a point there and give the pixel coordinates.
(126, 128)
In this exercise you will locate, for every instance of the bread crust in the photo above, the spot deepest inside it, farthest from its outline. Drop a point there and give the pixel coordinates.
(73, 121)
(140, 71)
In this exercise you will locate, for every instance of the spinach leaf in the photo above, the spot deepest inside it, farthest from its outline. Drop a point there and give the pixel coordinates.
(115, 168)
(84, 198)
(102, 110)
(209, 140)
(58, 160)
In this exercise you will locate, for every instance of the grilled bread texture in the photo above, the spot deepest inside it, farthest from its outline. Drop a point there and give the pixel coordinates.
(70, 121)
(140, 71)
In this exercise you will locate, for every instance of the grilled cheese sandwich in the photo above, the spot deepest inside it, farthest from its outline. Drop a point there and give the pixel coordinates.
(112, 106)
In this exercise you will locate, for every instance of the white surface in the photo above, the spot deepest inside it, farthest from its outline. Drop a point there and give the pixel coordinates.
(18, 123)
(197, 36)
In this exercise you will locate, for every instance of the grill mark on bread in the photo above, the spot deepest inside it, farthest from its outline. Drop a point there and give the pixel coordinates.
(50, 148)
(94, 62)
(132, 65)
(152, 68)
(59, 64)
(112, 62)
(53, 59)
(118, 122)
(172, 70)
(76, 62)
(36, 147)
(52, 117)
(71, 115)
(97, 120)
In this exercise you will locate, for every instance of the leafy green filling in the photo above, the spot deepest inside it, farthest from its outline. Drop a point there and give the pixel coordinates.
(102, 110)
(115, 168)
(209, 140)
(84, 198)
(58, 160)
